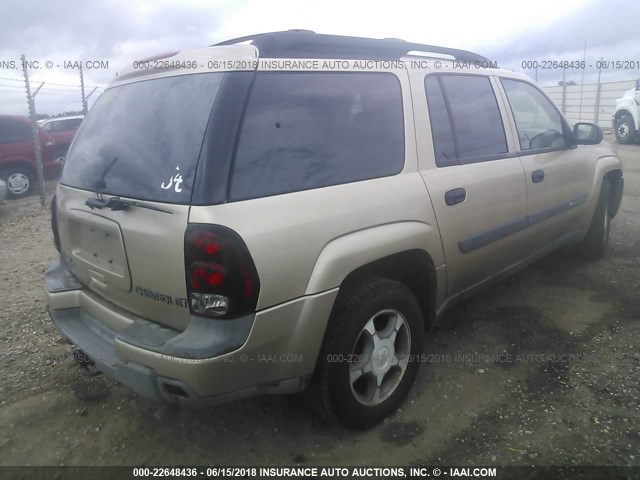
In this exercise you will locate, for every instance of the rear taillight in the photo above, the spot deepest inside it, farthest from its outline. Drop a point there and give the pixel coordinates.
(222, 281)
(54, 223)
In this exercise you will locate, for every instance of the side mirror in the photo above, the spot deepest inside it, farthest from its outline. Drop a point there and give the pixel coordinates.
(587, 134)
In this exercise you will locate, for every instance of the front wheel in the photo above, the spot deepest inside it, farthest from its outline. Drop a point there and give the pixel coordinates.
(366, 369)
(625, 130)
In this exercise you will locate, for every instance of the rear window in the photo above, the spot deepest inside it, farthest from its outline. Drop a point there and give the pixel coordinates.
(308, 130)
(143, 139)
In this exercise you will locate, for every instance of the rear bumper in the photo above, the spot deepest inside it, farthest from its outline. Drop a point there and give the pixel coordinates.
(213, 361)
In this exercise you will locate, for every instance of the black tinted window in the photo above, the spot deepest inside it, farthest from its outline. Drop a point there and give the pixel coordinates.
(143, 139)
(73, 123)
(478, 125)
(538, 122)
(14, 131)
(443, 144)
(477, 129)
(310, 130)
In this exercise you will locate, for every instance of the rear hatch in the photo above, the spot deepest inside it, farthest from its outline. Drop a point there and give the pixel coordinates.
(123, 199)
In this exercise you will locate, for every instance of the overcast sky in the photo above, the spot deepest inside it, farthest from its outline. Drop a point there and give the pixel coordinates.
(120, 31)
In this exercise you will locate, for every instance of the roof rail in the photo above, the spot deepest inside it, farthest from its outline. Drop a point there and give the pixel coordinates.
(308, 44)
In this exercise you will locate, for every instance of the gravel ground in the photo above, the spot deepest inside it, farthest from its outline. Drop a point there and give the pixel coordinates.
(543, 369)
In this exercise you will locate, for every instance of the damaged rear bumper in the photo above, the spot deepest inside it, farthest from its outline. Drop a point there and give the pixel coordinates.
(211, 361)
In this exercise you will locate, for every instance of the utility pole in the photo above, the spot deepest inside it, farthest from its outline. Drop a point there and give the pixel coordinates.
(85, 109)
(584, 59)
(34, 131)
(598, 92)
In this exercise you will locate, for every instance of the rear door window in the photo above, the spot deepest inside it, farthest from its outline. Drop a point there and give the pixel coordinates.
(443, 143)
(464, 110)
(143, 139)
(308, 130)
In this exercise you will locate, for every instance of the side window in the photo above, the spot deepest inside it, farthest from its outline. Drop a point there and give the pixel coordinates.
(70, 124)
(443, 143)
(13, 131)
(538, 122)
(466, 105)
(309, 130)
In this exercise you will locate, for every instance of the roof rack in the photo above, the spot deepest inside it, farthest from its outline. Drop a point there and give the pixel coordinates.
(308, 44)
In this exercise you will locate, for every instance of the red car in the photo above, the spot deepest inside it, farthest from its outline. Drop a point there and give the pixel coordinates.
(17, 155)
(62, 130)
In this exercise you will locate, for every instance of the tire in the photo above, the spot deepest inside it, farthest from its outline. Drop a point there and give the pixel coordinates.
(595, 243)
(19, 181)
(366, 368)
(625, 130)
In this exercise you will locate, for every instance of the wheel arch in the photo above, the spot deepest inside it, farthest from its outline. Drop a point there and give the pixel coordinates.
(407, 252)
(616, 180)
(412, 268)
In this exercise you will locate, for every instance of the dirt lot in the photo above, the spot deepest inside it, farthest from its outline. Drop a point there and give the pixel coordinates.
(569, 394)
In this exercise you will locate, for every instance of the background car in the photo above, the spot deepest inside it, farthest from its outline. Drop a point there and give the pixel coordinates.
(62, 130)
(626, 118)
(17, 155)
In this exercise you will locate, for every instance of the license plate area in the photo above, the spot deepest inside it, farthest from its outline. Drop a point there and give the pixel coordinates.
(97, 248)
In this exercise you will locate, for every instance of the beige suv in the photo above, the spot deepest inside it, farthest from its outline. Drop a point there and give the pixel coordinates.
(292, 211)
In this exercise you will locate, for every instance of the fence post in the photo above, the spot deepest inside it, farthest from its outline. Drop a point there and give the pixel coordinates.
(34, 132)
(564, 94)
(84, 99)
(598, 90)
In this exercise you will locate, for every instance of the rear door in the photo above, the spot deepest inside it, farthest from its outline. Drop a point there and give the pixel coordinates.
(139, 144)
(475, 182)
(558, 176)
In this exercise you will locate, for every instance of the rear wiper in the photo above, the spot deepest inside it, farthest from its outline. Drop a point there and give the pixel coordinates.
(117, 204)
(114, 203)
(100, 183)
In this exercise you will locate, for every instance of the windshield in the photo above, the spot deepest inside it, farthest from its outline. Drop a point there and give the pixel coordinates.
(143, 139)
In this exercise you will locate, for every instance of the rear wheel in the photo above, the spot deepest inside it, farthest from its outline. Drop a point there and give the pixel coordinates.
(366, 368)
(625, 129)
(19, 181)
(595, 243)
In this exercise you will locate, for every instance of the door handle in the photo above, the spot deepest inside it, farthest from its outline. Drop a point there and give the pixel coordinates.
(455, 196)
(537, 176)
